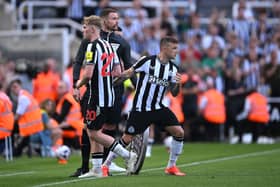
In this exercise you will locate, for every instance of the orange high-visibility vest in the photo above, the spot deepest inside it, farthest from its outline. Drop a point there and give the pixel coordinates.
(259, 112)
(74, 118)
(215, 108)
(31, 121)
(6, 116)
(45, 86)
(176, 106)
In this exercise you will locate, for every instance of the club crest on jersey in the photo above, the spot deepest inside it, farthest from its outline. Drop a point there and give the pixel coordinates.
(131, 129)
(155, 80)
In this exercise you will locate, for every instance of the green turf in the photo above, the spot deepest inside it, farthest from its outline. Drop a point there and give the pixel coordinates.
(211, 165)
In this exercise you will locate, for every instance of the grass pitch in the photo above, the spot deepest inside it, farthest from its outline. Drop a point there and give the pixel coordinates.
(211, 165)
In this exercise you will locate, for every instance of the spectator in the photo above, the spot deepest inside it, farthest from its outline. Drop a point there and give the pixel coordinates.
(271, 73)
(242, 27)
(195, 29)
(152, 39)
(256, 116)
(190, 55)
(251, 70)
(136, 10)
(212, 36)
(45, 84)
(75, 10)
(6, 118)
(190, 90)
(248, 13)
(168, 22)
(28, 115)
(212, 110)
(68, 115)
(101, 5)
(182, 19)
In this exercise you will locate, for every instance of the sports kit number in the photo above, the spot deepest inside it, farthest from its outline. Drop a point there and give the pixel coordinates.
(109, 59)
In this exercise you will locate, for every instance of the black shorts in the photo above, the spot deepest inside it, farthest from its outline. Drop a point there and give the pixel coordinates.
(139, 121)
(95, 116)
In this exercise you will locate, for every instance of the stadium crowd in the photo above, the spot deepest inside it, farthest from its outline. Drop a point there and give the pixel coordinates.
(235, 59)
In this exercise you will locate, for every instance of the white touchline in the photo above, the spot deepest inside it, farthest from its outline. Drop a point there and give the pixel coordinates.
(181, 165)
(17, 173)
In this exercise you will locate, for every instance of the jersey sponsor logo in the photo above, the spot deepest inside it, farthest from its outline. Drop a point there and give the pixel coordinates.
(89, 55)
(155, 80)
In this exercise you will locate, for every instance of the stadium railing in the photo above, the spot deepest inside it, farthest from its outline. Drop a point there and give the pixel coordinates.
(30, 5)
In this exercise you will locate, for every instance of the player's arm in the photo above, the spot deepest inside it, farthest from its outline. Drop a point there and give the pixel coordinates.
(86, 76)
(117, 70)
(175, 86)
(63, 113)
(91, 58)
(123, 76)
(139, 66)
(78, 62)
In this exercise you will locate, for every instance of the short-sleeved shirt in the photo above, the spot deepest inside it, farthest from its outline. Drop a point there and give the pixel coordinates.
(101, 54)
(152, 84)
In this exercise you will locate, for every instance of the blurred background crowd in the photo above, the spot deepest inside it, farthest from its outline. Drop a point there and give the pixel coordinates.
(229, 46)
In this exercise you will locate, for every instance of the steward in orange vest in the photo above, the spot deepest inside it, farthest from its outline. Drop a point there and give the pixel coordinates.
(212, 108)
(45, 85)
(28, 114)
(68, 114)
(255, 114)
(6, 116)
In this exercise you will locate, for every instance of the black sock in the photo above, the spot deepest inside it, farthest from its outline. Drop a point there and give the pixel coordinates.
(107, 150)
(85, 150)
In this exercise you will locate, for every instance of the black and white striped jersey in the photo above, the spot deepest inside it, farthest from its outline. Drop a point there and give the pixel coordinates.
(154, 78)
(101, 54)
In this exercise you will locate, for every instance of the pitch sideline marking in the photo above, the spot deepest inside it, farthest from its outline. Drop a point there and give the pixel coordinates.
(17, 173)
(181, 165)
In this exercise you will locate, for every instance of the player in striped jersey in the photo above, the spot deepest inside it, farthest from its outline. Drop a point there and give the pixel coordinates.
(157, 74)
(101, 65)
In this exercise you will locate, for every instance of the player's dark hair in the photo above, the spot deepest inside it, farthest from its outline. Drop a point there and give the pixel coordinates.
(106, 11)
(168, 39)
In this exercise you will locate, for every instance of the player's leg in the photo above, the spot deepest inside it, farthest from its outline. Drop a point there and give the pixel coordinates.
(177, 132)
(111, 127)
(94, 125)
(134, 138)
(150, 140)
(85, 143)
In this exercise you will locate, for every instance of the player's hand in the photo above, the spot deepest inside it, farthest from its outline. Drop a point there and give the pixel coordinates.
(178, 78)
(76, 94)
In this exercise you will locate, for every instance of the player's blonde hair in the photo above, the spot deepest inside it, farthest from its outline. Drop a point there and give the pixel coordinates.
(93, 20)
